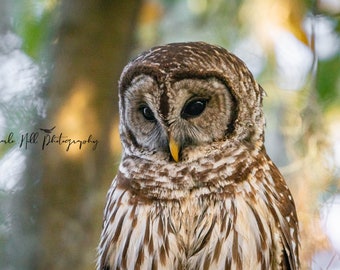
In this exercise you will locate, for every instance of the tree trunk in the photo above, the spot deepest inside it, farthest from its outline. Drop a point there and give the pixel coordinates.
(92, 42)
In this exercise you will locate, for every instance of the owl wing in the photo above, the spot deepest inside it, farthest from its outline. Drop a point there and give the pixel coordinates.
(103, 249)
(282, 206)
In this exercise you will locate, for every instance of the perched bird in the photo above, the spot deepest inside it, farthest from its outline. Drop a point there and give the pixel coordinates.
(195, 187)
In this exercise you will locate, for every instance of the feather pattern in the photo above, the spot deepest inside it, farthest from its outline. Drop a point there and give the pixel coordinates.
(196, 222)
(224, 204)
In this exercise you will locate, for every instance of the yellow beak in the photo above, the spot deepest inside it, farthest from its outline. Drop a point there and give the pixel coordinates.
(174, 149)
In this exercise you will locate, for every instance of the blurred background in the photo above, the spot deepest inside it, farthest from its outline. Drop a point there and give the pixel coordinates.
(59, 66)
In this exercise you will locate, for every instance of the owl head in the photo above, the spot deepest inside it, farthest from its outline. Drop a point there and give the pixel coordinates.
(181, 101)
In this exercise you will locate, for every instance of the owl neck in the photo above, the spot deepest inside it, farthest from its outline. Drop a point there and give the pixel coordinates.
(149, 179)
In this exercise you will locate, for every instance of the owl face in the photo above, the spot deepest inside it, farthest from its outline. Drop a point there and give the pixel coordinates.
(183, 96)
(195, 112)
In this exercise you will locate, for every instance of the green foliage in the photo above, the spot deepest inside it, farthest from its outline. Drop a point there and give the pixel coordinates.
(328, 82)
(32, 22)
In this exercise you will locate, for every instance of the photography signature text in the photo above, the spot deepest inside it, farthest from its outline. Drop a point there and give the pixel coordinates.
(46, 137)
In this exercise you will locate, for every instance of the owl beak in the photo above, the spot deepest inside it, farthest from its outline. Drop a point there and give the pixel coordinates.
(174, 149)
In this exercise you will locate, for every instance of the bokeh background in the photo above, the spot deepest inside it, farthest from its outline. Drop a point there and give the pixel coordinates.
(59, 66)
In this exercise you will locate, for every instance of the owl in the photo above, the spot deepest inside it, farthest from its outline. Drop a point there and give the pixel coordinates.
(195, 187)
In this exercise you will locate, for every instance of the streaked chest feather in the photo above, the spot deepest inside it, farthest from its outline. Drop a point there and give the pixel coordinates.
(192, 219)
(216, 231)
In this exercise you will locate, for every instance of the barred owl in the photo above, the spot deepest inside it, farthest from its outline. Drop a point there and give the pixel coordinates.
(195, 188)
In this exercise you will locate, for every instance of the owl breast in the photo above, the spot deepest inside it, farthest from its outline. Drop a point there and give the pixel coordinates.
(191, 218)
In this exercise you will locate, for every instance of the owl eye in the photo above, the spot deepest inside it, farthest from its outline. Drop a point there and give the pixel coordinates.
(193, 108)
(147, 113)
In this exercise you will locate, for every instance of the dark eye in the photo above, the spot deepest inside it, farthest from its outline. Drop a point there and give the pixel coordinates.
(147, 113)
(193, 108)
